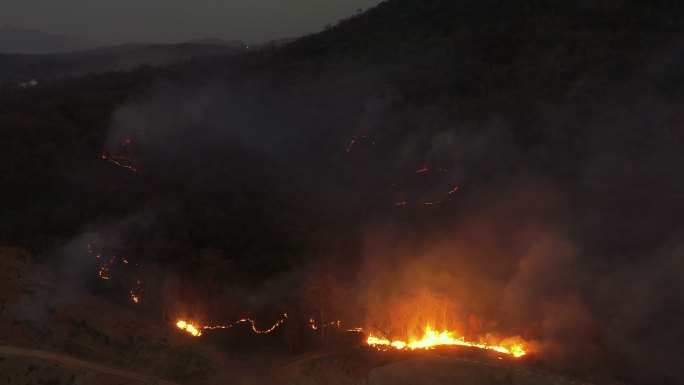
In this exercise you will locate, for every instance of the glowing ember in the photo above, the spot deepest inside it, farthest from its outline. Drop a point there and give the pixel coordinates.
(431, 339)
(337, 324)
(432, 203)
(425, 170)
(402, 203)
(104, 273)
(136, 292)
(453, 190)
(357, 139)
(195, 330)
(121, 161)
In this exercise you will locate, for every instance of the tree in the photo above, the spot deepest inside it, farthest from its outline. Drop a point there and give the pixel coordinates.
(323, 294)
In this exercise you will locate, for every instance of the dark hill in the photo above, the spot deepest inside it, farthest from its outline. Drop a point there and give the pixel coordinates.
(559, 120)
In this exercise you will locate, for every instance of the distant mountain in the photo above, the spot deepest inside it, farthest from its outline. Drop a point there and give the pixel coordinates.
(18, 40)
(20, 68)
(228, 43)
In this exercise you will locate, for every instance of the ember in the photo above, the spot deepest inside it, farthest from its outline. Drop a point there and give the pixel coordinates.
(121, 161)
(196, 330)
(356, 139)
(434, 170)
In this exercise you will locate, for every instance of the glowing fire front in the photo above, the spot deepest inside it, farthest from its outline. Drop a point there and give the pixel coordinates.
(431, 339)
(196, 330)
(190, 328)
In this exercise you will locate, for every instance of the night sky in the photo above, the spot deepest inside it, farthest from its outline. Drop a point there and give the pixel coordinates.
(171, 21)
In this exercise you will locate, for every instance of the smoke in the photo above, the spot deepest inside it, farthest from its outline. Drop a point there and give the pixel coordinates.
(565, 229)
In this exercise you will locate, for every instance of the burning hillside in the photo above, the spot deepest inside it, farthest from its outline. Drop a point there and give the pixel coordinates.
(401, 337)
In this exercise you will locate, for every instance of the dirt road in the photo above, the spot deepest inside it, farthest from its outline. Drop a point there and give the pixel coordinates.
(77, 364)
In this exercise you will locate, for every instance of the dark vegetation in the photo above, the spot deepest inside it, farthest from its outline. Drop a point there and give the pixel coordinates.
(587, 95)
(468, 62)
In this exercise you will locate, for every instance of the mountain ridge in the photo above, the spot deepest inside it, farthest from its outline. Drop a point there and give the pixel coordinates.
(20, 40)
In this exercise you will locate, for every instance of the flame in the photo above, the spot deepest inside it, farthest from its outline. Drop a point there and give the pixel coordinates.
(431, 338)
(136, 292)
(196, 330)
(188, 327)
(338, 324)
(104, 272)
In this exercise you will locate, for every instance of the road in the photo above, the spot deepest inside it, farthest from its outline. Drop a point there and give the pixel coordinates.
(77, 364)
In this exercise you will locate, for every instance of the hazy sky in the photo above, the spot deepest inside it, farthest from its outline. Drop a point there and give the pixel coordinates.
(116, 21)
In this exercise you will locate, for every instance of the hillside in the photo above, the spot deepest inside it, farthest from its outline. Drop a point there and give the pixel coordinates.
(75, 330)
(518, 141)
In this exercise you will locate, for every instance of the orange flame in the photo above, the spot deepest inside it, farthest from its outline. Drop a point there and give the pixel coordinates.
(196, 330)
(513, 346)
(188, 327)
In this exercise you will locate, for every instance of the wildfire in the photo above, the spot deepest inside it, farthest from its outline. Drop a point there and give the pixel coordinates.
(190, 328)
(105, 271)
(431, 338)
(426, 169)
(357, 139)
(196, 330)
(121, 161)
(136, 292)
(338, 324)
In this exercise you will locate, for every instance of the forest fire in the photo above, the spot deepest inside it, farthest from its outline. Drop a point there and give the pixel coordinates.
(136, 292)
(196, 330)
(190, 328)
(432, 339)
(356, 139)
(107, 270)
(424, 170)
(120, 160)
